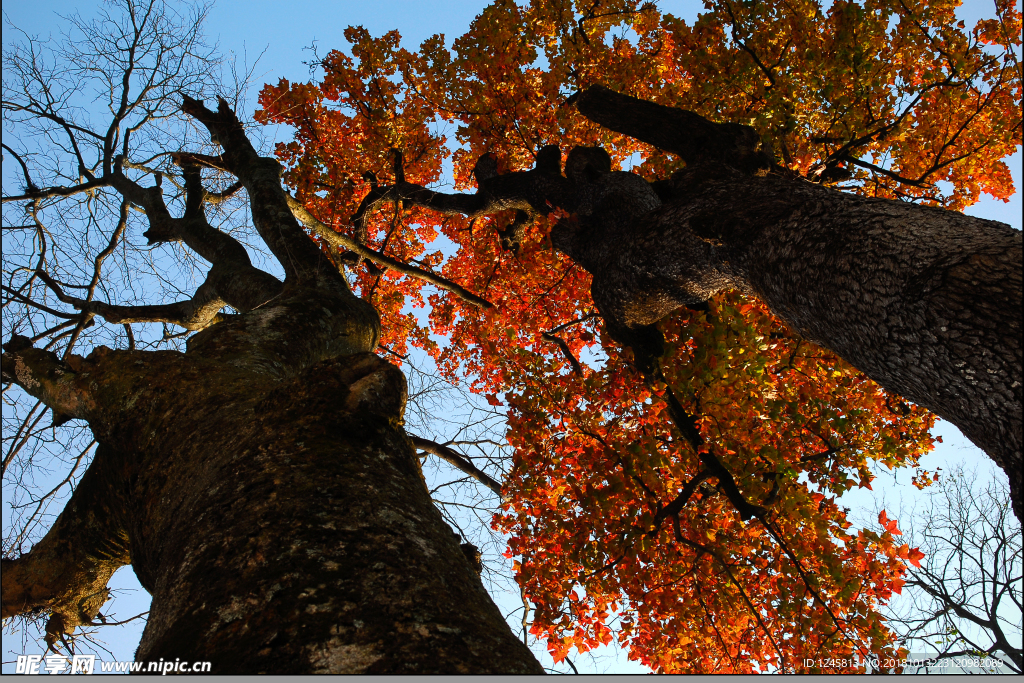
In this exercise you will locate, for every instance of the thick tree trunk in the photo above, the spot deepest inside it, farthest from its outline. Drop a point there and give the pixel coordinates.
(274, 507)
(261, 482)
(926, 302)
(304, 541)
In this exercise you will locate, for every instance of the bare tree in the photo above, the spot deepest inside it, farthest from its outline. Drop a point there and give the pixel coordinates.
(964, 602)
(105, 88)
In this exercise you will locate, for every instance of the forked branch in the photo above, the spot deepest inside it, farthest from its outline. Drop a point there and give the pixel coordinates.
(194, 314)
(341, 241)
(261, 177)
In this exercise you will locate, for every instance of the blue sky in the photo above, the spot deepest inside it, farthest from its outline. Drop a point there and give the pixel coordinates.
(281, 32)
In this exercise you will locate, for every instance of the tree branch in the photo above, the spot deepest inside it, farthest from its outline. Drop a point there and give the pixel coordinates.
(29, 185)
(518, 190)
(67, 571)
(196, 313)
(736, 37)
(687, 424)
(692, 137)
(456, 460)
(680, 501)
(47, 192)
(889, 174)
(340, 241)
(233, 277)
(531, 192)
(46, 377)
(558, 341)
(261, 177)
(21, 298)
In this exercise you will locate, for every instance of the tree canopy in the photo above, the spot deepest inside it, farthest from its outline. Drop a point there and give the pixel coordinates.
(615, 510)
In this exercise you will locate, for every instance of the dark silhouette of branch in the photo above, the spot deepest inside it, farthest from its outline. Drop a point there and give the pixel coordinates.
(341, 241)
(558, 341)
(967, 589)
(456, 460)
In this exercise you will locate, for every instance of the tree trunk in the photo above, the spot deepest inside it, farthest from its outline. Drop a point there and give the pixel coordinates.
(924, 301)
(305, 540)
(271, 501)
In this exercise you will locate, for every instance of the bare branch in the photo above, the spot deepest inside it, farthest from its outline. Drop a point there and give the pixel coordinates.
(67, 571)
(29, 185)
(261, 176)
(48, 192)
(196, 313)
(458, 461)
(967, 590)
(695, 139)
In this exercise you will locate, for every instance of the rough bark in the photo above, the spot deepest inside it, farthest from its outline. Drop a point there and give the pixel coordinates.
(275, 511)
(926, 302)
(306, 541)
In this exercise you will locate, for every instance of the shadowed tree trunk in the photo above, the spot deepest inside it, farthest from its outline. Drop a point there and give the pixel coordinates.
(924, 301)
(260, 484)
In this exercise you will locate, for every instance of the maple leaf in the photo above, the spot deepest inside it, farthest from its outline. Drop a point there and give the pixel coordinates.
(888, 524)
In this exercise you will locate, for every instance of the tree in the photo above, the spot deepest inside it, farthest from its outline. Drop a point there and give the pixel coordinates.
(672, 496)
(941, 69)
(260, 482)
(964, 602)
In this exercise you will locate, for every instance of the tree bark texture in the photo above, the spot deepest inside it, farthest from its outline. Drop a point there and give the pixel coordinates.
(276, 512)
(308, 542)
(924, 301)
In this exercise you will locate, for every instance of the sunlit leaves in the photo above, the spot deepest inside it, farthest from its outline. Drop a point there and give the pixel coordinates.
(597, 459)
